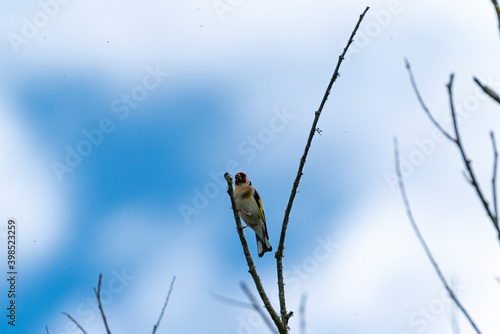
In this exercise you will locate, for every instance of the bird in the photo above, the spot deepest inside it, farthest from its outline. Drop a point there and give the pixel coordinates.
(251, 211)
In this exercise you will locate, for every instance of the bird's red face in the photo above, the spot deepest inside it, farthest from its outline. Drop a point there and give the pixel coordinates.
(240, 178)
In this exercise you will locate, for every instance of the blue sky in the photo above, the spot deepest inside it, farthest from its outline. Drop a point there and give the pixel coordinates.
(118, 120)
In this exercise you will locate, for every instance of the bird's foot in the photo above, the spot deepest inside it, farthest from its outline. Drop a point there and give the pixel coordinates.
(247, 213)
(243, 227)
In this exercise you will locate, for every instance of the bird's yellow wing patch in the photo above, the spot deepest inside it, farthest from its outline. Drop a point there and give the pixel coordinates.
(259, 203)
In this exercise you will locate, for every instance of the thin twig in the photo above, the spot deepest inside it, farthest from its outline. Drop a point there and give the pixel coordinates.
(256, 307)
(466, 160)
(302, 313)
(164, 305)
(422, 241)
(98, 295)
(47, 329)
(74, 321)
(487, 90)
(494, 177)
(421, 101)
(285, 316)
(497, 10)
(251, 266)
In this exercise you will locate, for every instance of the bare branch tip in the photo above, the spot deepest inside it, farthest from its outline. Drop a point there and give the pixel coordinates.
(450, 83)
(164, 305)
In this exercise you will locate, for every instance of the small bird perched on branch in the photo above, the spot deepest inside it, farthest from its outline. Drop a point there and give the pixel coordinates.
(251, 211)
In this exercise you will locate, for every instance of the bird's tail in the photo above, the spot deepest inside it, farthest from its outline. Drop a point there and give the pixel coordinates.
(263, 245)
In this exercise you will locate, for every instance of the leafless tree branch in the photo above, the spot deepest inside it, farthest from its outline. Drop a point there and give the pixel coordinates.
(497, 10)
(74, 321)
(422, 104)
(487, 90)
(422, 241)
(470, 175)
(467, 161)
(98, 295)
(251, 266)
(164, 305)
(494, 176)
(47, 329)
(282, 323)
(285, 316)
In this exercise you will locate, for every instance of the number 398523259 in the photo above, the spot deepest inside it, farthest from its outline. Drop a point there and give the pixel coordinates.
(11, 244)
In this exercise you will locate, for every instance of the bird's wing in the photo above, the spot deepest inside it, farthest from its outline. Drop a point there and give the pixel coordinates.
(259, 204)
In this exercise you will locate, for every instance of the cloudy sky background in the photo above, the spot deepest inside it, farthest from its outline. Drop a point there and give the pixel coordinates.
(238, 90)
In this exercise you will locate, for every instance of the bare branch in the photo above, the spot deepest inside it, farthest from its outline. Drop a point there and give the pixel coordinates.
(494, 177)
(98, 295)
(470, 175)
(256, 307)
(251, 266)
(488, 90)
(285, 316)
(422, 104)
(47, 329)
(467, 161)
(497, 10)
(164, 305)
(422, 241)
(302, 313)
(74, 321)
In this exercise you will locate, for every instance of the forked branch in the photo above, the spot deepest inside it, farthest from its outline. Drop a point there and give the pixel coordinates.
(282, 323)
(98, 296)
(456, 139)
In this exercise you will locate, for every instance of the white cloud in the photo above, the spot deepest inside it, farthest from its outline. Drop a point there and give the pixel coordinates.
(30, 192)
